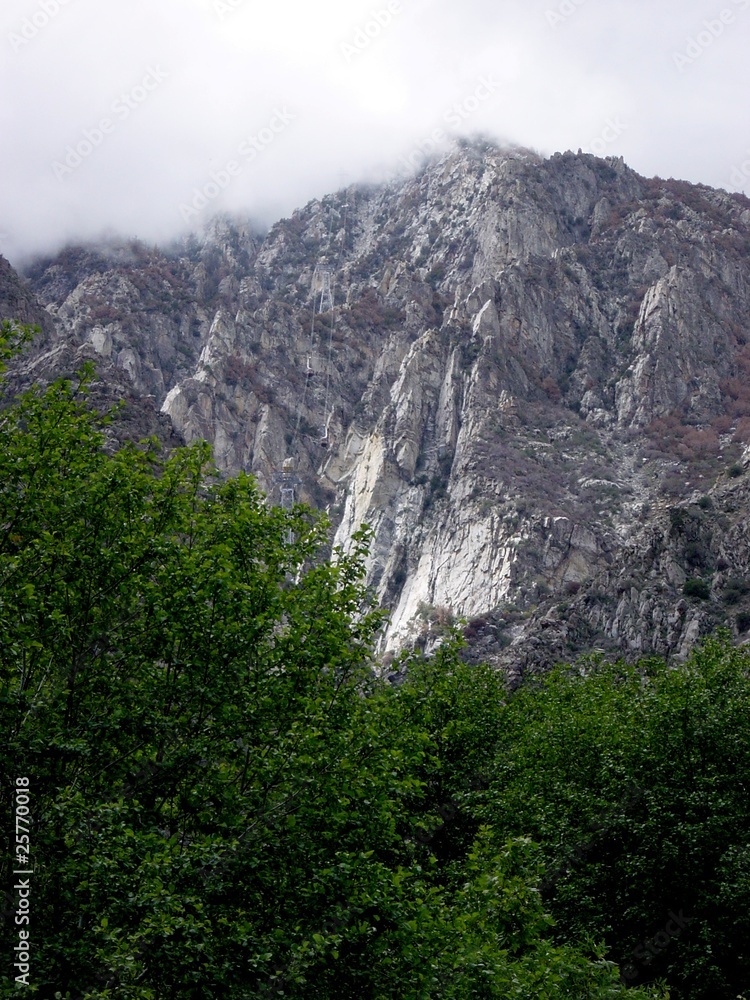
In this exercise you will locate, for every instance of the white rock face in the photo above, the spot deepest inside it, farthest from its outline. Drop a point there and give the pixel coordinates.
(521, 355)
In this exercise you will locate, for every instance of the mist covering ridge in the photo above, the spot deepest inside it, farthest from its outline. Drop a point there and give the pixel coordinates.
(531, 385)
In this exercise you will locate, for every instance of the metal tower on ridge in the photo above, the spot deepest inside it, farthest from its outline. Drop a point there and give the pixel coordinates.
(287, 481)
(324, 290)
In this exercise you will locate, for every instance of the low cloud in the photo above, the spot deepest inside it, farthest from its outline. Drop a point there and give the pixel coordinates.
(92, 143)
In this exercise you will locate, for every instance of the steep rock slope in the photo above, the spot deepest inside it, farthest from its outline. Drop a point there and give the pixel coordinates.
(54, 353)
(531, 367)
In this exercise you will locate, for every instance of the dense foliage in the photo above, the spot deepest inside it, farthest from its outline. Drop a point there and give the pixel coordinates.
(228, 802)
(635, 781)
(225, 801)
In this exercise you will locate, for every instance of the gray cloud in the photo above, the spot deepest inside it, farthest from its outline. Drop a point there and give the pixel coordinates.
(145, 117)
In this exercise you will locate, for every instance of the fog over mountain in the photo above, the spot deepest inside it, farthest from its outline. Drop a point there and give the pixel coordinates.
(146, 118)
(528, 375)
(432, 310)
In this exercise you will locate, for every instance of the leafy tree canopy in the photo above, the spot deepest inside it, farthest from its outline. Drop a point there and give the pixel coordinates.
(226, 801)
(634, 780)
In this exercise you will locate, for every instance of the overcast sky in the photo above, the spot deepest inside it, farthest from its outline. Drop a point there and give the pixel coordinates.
(145, 117)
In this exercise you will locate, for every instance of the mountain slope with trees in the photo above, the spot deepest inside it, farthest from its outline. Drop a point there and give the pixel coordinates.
(532, 384)
(227, 800)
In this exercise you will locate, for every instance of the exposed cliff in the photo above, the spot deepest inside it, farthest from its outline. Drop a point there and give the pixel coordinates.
(532, 384)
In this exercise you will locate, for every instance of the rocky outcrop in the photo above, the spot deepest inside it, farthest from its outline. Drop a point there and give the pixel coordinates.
(530, 368)
(54, 353)
(18, 303)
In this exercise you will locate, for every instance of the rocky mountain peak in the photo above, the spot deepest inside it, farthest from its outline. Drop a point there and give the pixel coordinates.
(528, 375)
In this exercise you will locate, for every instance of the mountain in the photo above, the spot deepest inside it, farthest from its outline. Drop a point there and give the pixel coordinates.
(530, 376)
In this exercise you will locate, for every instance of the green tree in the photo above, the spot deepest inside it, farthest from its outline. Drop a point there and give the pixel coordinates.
(226, 801)
(634, 782)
